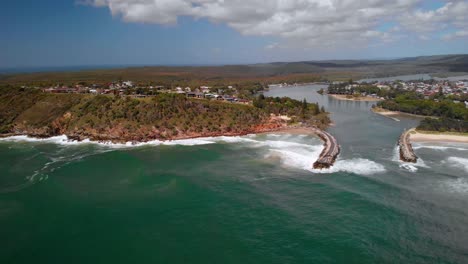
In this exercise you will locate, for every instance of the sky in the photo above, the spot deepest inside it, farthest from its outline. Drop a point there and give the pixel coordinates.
(55, 33)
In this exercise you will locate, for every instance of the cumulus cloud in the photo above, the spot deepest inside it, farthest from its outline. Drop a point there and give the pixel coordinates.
(309, 22)
(458, 34)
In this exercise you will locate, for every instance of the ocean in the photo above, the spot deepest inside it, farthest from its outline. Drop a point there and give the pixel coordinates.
(250, 199)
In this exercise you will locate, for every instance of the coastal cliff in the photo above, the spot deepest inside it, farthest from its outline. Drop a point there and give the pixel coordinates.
(163, 117)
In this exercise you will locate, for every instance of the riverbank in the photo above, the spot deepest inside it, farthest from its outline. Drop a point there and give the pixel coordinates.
(392, 114)
(386, 113)
(432, 136)
(345, 97)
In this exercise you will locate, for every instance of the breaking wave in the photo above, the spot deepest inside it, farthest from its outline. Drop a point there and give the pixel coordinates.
(292, 150)
(302, 156)
(64, 140)
(411, 167)
(442, 148)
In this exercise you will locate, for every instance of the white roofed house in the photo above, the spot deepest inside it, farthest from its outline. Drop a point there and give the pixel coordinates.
(205, 89)
(127, 84)
(179, 90)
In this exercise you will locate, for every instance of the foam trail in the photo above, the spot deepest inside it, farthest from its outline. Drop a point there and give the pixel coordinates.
(460, 162)
(303, 158)
(64, 140)
(459, 185)
(442, 148)
(292, 154)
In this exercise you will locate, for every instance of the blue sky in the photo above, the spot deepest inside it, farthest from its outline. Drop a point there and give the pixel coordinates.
(173, 32)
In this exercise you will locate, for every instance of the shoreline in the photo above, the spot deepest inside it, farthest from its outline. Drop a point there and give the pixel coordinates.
(294, 130)
(391, 114)
(326, 159)
(429, 136)
(386, 113)
(343, 97)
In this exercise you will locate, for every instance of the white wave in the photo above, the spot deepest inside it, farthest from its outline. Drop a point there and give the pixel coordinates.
(357, 166)
(235, 139)
(459, 162)
(304, 159)
(250, 139)
(64, 140)
(442, 148)
(411, 167)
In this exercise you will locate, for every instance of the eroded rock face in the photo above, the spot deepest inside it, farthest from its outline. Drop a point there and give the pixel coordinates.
(120, 134)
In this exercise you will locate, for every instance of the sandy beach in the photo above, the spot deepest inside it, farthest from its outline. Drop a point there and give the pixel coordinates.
(294, 131)
(421, 136)
(359, 98)
(386, 113)
(394, 114)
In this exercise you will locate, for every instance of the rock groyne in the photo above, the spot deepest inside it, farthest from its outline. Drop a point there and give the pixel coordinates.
(406, 149)
(330, 151)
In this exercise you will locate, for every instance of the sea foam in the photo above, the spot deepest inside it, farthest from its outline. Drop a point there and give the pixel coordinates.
(411, 167)
(459, 162)
(64, 140)
(441, 148)
(283, 146)
(302, 156)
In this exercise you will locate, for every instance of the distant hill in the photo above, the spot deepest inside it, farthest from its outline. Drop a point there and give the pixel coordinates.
(266, 72)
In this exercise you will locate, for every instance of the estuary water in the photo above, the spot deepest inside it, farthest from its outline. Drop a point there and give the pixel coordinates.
(252, 199)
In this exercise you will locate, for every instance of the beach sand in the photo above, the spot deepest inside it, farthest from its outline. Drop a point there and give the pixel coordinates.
(360, 98)
(418, 136)
(294, 131)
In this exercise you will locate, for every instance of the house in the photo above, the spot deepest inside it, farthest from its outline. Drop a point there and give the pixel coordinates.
(128, 84)
(195, 95)
(179, 90)
(205, 89)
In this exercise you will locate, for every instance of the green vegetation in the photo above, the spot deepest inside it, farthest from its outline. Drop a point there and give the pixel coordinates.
(244, 76)
(414, 104)
(449, 116)
(299, 111)
(164, 116)
(444, 125)
(351, 88)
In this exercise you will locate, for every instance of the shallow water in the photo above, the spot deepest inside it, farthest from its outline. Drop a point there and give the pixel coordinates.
(252, 199)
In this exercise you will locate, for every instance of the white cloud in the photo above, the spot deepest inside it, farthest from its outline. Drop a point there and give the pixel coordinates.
(308, 22)
(452, 14)
(458, 34)
(272, 46)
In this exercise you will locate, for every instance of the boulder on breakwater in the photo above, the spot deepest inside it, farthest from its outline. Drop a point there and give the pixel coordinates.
(406, 149)
(330, 151)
